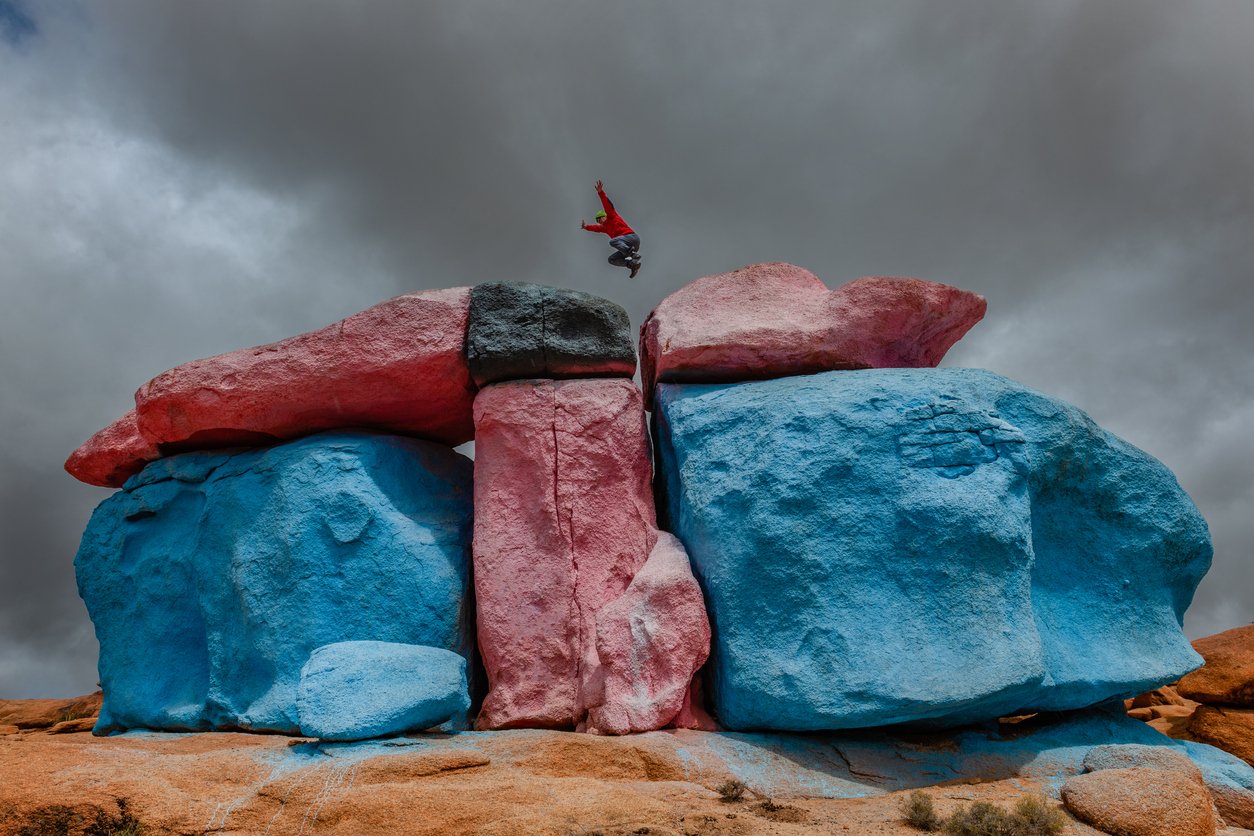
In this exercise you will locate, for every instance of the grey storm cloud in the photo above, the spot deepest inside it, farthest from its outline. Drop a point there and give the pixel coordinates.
(181, 179)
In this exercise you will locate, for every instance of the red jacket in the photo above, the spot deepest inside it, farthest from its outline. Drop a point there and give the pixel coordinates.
(613, 225)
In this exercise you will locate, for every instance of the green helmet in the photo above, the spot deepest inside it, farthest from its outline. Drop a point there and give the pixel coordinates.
(600, 216)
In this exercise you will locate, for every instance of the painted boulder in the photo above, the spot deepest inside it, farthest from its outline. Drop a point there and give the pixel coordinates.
(896, 545)
(650, 643)
(519, 330)
(776, 319)
(361, 689)
(564, 518)
(211, 578)
(398, 367)
(113, 454)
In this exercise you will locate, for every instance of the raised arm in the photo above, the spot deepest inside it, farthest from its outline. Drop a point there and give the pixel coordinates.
(605, 200)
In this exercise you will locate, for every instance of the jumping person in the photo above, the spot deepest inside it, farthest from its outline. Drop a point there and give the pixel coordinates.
(625, 242)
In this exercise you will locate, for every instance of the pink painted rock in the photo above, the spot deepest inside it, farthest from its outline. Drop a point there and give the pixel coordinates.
(692, 714)
(774, 320)
(113, 455)
(399, 366)
(650, 642)
(564, 518)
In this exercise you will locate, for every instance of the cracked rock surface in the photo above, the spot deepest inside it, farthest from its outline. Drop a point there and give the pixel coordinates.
(519, 330)
(564, 520)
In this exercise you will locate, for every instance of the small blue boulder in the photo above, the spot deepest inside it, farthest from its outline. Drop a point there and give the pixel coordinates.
(943, 545)
(363, 689)
(212, 577)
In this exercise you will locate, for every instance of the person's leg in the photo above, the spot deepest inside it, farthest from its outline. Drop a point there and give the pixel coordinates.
(633, 241)
(625, 252)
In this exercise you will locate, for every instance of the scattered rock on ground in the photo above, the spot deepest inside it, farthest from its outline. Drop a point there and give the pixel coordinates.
(82, 724)
(1230, 729)
(1165, 695)
(360, 689)
(1130, 755)
(1227, 678)
(1141, 801)
(42, 714)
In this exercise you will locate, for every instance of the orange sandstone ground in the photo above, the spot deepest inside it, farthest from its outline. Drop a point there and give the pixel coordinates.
(533, 783)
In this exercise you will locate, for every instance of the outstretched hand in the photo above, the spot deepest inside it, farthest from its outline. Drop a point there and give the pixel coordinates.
(600, 186)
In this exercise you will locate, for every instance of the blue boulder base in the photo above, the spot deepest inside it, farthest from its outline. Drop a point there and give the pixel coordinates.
(211, 577)
(943, 545)
(358, 690)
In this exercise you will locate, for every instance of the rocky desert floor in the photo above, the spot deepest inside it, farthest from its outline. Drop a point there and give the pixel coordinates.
(512, 782)
(537, 782)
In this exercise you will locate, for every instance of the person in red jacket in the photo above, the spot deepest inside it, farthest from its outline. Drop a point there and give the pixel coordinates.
(623, 239)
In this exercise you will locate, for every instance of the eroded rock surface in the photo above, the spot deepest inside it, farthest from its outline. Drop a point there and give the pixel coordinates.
(1227, 678)
(651, 640)
(360, 689)
(1230, 729)
(893, 527)
(212, 576)
(564, 520)
(519, 330)
(1141, 802)
(113, 455)
(776, 319)
(399, 366)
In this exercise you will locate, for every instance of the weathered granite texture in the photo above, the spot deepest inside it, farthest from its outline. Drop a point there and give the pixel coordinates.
(519, 330)
(211, 577)
(884, 546)
(776, 319)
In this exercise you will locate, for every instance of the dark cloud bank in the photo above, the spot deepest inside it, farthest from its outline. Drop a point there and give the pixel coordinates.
(180, 179)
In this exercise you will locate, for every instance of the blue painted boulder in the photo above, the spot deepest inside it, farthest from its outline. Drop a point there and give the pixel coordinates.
(211, 577)
(942, 545)
(363, 689)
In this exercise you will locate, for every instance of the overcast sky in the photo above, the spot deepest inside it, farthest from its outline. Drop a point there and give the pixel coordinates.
(182, 179)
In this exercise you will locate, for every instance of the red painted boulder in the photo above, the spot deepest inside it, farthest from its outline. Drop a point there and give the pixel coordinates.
(564, 519)
(650, 643)
(113, 455)
(774, 320)
(399, 366)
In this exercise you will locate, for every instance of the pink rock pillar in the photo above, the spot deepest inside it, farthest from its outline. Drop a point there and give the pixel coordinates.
(650, 643)
(564, 518)
(774, 320)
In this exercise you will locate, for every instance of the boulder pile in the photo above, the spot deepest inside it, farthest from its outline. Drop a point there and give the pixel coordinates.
(815, 530)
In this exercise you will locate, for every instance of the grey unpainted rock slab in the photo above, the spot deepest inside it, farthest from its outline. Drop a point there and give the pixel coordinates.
(519, 331)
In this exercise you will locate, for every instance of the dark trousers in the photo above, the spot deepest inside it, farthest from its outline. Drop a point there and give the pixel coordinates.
(626, 246)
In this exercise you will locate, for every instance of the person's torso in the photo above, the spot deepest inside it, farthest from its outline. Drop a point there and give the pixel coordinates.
(615, 226)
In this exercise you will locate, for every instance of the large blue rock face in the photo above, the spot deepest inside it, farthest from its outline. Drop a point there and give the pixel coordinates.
(211, 577)
(942, 545)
